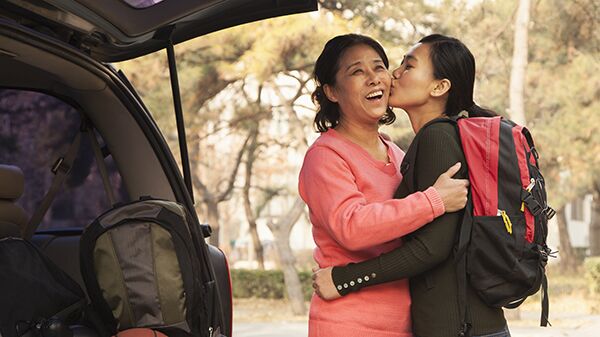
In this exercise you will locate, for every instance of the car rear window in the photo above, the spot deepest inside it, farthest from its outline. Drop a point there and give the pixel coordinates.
(142, 3)
(35, 130)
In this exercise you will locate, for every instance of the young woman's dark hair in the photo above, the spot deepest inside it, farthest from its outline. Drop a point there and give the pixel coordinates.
(327, 65)
(452, 60)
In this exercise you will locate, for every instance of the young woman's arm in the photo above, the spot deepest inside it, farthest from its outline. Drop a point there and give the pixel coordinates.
(422, 250)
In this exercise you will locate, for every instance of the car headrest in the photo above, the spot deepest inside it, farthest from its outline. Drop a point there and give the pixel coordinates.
(13, 218)
(12, 182)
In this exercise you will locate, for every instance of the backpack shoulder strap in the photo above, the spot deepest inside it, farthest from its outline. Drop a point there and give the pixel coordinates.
(98, 312)
(460, 257)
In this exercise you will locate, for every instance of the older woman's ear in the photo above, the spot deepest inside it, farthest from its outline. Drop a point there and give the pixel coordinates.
(441, 88)
(330, 93)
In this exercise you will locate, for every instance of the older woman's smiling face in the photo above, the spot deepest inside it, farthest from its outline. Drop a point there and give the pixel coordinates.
(362, 85)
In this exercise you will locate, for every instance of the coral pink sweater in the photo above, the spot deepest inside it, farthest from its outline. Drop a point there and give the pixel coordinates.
(354, 218)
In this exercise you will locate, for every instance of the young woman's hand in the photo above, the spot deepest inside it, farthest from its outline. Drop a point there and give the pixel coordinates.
(323, 284)
(452, 191)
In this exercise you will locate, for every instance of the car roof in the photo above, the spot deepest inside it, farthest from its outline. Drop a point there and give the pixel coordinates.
(115, 30)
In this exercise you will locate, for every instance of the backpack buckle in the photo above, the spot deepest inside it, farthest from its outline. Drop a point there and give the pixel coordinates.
(534, 207)
(550, 212)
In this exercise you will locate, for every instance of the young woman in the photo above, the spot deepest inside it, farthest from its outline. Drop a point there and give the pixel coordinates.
(348, 179)
(435, 80)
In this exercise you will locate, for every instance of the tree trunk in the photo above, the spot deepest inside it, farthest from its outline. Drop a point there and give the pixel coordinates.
(595, 223)
(519, 64)
(250, 214)
(568, 260)
(258, 249)
(281, 231)
(517, 84)
(290, 275)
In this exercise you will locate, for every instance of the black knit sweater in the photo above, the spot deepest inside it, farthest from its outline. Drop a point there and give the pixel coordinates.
(426, 256)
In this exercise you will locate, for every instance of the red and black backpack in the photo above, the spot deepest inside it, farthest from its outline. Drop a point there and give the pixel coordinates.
(501, 249)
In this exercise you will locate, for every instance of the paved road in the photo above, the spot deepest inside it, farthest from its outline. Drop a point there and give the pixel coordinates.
(284, 329)
(589, 326)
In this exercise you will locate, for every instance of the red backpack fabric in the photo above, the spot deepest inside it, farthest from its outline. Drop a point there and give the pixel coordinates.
(501, 249)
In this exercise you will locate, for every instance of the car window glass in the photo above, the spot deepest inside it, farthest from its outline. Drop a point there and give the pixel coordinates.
(142, 3)
(35, 130)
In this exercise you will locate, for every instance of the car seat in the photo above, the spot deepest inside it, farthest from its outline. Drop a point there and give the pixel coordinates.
(13, 218)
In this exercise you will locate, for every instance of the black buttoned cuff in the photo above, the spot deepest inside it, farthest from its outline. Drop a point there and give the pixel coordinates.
(351, 278)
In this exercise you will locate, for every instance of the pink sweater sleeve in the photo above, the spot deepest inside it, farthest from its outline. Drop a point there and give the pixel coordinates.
(328, 187)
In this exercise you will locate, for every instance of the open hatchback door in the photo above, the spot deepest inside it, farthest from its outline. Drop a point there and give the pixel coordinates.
(117, 30)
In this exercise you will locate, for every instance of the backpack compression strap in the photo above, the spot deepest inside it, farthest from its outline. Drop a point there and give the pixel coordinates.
(545, 302)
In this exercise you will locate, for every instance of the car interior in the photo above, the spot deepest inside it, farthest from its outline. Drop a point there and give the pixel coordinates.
(12, 216)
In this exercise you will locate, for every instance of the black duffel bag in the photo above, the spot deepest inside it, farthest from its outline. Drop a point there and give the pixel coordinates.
(36, 298)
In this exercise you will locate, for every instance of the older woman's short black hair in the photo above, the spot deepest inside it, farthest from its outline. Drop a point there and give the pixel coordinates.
(326, 67)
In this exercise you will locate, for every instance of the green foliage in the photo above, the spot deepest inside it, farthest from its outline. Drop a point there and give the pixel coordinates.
(592, 272)
(566, 124)
(267, 284)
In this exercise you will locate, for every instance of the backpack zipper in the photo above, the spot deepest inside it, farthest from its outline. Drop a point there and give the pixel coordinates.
(528, 189)
(506, 220)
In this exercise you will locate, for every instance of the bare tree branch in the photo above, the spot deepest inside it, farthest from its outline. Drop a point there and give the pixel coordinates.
(300, 91)
(269, 195)
(304, 106)
(286, 222)
(226, 194)
(250, 158)
(233, 124)
(502, 29)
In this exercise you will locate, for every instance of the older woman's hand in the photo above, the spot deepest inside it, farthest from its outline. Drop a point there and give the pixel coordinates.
(323, 284)
(453, 192)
